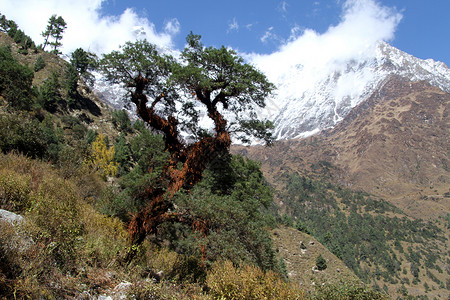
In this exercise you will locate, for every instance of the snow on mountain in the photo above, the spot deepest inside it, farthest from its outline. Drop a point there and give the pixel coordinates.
(310, 98)
(314, 96)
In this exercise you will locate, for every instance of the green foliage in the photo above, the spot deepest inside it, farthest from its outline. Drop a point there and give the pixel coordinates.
(21, 133)
(302, 227)
(346, 290)
(91, 135)
(354, 226)
(121, 121)
(236, 223)
(20, 38)
(71, 83)
(140, 165)
(84, 62)
(24, 41)
(39, 64)
(123, 155)
(205, 72)
(239, 86)
(49, 93)
(55, 28)
(321, 263)
(15, 81)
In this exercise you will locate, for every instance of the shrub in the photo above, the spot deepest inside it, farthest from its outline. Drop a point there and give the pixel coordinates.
(49, 93)
(248, 282)
(28, 136)
(102, 158)
(121, 121)
(39, 64)
(321, 263)
(54, 216)
(15, 81)
(341, 290)
(14, 191)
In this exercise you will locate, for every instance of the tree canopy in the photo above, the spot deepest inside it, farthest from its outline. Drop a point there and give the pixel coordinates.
(55, 28)
(172, 96)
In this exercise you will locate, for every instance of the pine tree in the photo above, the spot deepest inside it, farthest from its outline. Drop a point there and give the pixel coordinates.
(49, 94)
(55, 28)
(321, 263)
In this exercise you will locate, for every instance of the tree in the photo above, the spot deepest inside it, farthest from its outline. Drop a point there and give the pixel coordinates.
(15, 81)
(49, 94)
(102, 158)
(39, 64)
(84, 62)
(71, 85)
(216, 81)
(321, 263)
(55, 28)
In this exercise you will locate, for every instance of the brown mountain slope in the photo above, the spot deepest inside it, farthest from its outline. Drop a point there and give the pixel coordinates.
(300, 251)
(394, 145)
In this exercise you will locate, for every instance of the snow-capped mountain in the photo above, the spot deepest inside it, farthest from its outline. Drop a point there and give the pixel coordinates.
(309, 100)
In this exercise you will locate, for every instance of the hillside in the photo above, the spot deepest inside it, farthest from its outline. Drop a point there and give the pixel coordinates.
(394, 146)
(73, 172)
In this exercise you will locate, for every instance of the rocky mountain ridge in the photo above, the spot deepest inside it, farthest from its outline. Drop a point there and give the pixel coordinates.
(304, 106)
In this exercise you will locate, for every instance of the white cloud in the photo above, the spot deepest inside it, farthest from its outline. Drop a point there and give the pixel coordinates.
(233, 26)
(269, 35)
(283, 6)
(86, 26)
(172, 26)
(363, 23)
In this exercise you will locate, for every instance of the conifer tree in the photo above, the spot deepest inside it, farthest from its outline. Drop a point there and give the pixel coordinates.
(55, 28)
(102, 158)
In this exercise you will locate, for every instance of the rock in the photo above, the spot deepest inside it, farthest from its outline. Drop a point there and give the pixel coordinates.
(302, 245)
(19, 240)
(10, 217)
(311, 243)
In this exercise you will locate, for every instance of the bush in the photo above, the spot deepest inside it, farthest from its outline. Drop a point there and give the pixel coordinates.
(14, 191)
(248, 282)
(39, 64)
(56, 222)
(28, 136)
(341, 290)
(121, 121)
(15, 81)
(321, 263)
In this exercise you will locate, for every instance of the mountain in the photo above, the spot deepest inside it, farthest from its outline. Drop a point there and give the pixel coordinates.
(386, 161)
(310, 99)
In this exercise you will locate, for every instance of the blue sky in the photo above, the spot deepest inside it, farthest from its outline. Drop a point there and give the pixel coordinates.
(418, 27)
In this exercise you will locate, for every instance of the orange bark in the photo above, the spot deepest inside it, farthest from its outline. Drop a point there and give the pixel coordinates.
(194, 158)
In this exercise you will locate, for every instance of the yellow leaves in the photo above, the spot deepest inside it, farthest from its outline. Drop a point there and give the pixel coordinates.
(248, 282)
(102, 158)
